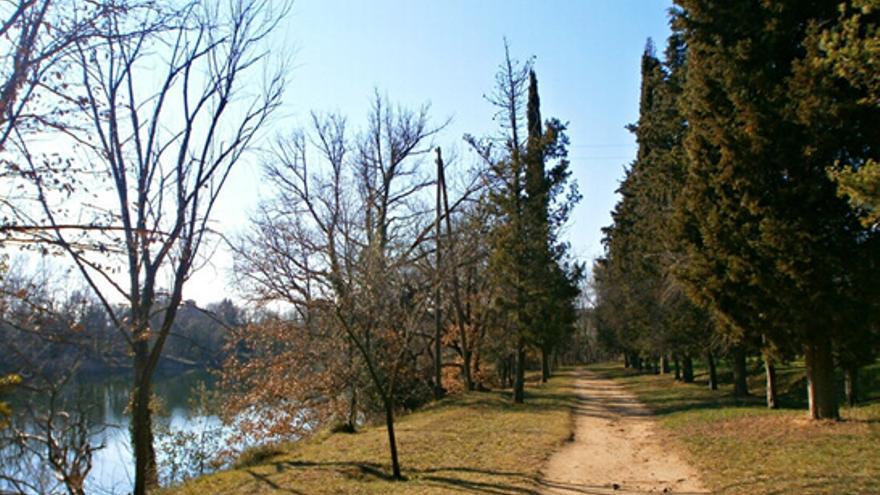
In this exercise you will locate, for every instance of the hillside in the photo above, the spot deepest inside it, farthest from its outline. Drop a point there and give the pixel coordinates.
(477, 442)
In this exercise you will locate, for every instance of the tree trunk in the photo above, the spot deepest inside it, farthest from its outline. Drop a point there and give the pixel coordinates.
(520, 379)
(545, 365)
(740, 384)
(626, 360)
(392, 442)
(676, 365)
(145, 475)
(770, 370)
(851, 385)
(713, 372)
(664, 364)
(352, 409)
(466, 369)
(511, 370)
(687, 374)
(820, 379)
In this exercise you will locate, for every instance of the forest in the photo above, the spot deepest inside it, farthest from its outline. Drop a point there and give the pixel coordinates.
(386, 278)
(747, 223)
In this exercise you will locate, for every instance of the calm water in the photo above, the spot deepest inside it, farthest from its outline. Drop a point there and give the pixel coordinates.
(112, 470)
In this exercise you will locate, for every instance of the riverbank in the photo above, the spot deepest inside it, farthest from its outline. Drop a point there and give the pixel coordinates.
(741, 447)
(474, 442)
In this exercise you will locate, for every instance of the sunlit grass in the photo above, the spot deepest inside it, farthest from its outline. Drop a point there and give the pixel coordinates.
(741, 447)
(476, 442)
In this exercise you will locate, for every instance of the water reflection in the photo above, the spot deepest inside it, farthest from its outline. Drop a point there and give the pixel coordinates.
(106, 399)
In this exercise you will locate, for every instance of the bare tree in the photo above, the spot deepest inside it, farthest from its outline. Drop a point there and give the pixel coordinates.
(467, 283)
(38, 37)
(167, 118)
(346, 238)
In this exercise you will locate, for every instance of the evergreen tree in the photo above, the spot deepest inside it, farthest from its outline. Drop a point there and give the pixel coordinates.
(553, 277)
(771, 249)
(837, 92)
(535, 282)
(654, 316)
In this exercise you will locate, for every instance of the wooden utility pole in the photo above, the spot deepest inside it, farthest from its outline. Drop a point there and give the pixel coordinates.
(438, 316)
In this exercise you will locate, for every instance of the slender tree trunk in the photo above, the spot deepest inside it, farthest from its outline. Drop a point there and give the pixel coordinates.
(352, 409)
(626, 360)
(466, 368)
(477, 384)
(664, 364)
(770, 370)
(545, 365)
(392, 441)
(146, 477)
(740, 384)
(353, 386)
(713, 371)
(511, 370)
(820, 379)
(851, 385)
(520, 379)
(688, 370)
(677, 367)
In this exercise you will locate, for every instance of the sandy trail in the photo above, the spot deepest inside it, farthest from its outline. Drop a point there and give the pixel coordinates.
(615, 450)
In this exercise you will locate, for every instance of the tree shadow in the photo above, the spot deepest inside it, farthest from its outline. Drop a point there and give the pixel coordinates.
(275, 486)
(453, 477)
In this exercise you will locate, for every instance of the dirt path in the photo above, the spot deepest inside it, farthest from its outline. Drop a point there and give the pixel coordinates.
(615, 450)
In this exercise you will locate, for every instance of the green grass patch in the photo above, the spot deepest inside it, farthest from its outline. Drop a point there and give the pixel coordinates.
(741, 447)
(475, 442)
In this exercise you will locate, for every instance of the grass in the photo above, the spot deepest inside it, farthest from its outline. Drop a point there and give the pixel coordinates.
(468, 443)
(741, 447)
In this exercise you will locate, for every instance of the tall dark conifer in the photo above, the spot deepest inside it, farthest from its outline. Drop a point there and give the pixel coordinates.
(645, 305)
(771, 249)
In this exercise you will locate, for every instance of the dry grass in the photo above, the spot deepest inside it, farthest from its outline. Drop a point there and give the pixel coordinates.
(470, 443)
(741, 447)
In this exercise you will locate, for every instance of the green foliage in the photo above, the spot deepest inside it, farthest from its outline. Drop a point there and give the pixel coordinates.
(849, 53)
(862, 187)
(771, 247)
(642, 307)
(531, 198)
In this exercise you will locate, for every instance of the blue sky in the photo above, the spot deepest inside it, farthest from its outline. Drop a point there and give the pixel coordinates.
(446, 53)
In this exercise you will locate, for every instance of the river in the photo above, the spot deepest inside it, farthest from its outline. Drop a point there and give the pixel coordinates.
(107, 398)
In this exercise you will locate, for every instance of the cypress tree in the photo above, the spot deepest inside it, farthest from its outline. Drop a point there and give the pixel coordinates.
(649, 308)
(535, 281)
(771, 249)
